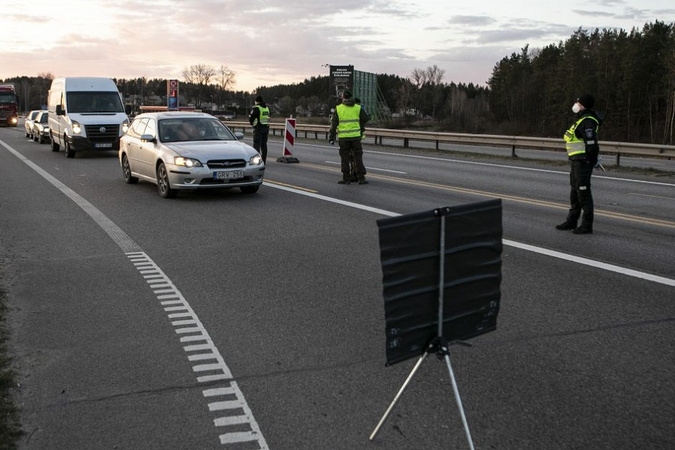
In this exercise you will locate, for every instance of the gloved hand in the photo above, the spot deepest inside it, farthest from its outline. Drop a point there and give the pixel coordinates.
(331, 142)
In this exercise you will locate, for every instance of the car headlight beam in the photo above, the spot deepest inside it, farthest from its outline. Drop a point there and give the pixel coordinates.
(186, 162)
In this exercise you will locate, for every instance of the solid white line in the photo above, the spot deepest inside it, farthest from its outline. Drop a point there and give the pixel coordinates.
(504, 166)
(531, 248)
(335, 163)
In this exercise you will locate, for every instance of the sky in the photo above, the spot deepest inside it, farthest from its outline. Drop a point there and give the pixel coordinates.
(271, 42)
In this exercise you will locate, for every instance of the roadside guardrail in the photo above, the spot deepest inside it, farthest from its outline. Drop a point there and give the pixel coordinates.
(409, 137)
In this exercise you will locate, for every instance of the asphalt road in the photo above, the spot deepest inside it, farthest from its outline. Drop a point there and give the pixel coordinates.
(195, 323)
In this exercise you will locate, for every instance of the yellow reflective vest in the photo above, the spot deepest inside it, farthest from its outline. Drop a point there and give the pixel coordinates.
(349, 124)
(573, 144)
(263, 116)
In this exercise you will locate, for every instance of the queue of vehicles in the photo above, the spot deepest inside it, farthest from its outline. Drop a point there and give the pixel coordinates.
(175, 150)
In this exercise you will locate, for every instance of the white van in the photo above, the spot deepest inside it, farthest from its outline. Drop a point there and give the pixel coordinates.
(85, 114)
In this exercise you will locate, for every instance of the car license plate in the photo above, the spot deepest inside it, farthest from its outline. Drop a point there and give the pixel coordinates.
(228, 175)
(103, 145)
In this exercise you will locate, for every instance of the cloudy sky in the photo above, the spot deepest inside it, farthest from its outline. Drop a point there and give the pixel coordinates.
(268, 42)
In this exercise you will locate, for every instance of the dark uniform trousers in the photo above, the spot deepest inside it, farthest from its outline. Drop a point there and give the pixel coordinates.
(260, 134)
(349, 147)
(580, 193)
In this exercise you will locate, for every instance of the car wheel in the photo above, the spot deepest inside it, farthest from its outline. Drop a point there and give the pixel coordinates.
(163, 185)
(54, 146)
(27, 133)
(40, 139)
(126, 171)
(34, 136)
(249, 189)
(70, 153)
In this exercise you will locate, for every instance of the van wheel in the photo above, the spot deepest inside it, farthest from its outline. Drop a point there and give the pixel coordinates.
(126, 171)
(163, 185)
(54, 146)
(70, 153)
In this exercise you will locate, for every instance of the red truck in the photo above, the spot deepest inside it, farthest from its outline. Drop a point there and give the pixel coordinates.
(8, 106)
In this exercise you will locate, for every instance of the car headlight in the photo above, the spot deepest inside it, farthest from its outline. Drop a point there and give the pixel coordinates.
(255, 160)
(186, 162)
(76, 128)
(125, 125)
(45, 129)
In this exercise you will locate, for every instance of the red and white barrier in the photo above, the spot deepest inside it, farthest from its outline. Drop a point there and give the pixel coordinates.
(289, 143)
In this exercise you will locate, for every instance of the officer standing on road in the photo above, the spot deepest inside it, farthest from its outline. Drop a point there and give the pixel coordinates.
(582, 150)
(347, 122)
(259, 118)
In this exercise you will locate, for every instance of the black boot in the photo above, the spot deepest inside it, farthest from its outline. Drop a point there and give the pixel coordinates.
(566, 226)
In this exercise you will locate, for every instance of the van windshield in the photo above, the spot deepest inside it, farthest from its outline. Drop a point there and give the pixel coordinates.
(94, 102)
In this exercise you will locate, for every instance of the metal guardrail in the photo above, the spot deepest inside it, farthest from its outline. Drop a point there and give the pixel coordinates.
(408, 137)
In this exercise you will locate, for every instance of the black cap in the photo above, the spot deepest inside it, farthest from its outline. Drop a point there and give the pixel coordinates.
(346, 94)
(259, 99)
(586, 100)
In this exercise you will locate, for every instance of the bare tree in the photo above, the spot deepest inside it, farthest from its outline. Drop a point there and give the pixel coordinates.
(199, 75)
(225, 81)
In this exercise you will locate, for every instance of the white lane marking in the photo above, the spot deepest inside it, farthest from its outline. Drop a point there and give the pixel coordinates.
(503, 166)
(527, 247)
(176, 307)
(335, 163)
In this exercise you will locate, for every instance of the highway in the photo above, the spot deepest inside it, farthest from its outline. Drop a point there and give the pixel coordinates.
(219, 320)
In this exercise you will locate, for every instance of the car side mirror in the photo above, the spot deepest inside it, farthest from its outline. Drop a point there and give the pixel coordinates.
(239, 135)
(148, 138)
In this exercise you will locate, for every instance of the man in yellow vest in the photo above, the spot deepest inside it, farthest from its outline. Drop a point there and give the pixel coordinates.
(581, 143)
(259, 118)
(347, 122)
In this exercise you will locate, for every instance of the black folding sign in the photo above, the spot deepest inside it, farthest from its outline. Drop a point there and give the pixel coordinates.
(410, 253)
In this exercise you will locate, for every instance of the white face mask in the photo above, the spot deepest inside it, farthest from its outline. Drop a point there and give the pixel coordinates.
(576, 108)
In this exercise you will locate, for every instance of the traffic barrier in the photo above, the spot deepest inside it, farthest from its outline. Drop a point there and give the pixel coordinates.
(289, 142)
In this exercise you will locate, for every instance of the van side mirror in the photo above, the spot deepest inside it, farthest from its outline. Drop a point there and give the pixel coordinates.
(127, 109)
(59, 110)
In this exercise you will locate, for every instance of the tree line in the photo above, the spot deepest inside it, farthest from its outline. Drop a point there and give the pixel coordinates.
(529, 93)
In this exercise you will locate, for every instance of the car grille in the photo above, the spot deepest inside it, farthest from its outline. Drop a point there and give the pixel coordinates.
(104, 133)
(226, 163)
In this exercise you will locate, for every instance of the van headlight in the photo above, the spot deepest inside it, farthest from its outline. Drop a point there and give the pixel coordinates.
(77, 129)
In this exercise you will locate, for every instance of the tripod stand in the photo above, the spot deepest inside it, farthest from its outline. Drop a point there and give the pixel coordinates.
(439, 344)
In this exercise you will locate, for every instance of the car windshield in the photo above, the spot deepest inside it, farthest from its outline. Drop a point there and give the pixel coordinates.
(182, 129)
(94, 102)
(44, 118)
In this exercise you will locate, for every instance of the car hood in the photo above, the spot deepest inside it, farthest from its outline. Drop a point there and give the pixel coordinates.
(207, 150)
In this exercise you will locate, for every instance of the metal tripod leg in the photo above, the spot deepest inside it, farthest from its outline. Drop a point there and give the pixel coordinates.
(459, 400)
(398, 395)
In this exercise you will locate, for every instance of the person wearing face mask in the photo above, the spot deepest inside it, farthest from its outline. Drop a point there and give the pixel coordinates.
(581, 143)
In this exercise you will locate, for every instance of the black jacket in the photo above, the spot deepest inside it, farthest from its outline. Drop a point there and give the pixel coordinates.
(587, 130)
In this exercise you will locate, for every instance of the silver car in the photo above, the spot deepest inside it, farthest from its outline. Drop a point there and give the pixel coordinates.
(28, 122)
(188, 151)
